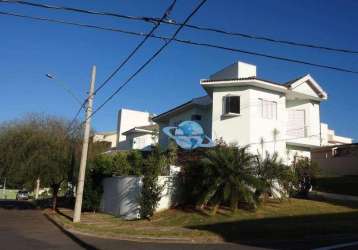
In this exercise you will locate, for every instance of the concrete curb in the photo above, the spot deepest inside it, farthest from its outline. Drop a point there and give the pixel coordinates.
(178, 240)
(339, 197)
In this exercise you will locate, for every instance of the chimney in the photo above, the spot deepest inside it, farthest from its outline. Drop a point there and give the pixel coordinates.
(235, 71)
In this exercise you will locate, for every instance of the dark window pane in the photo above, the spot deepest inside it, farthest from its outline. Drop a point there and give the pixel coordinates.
(227, 104)
(234, 104)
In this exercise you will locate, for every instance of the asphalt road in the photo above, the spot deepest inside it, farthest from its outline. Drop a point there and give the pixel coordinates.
(23, 227)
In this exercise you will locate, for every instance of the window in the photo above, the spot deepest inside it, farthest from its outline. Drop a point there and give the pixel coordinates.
(232, 104)
(196, 117)
(268, 109)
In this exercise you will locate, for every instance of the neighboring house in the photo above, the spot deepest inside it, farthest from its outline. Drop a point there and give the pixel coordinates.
(131, 119)
(106, 137)
(135, 130)
(329, 137)
(338, 160)
(142, 137)
(243, 109)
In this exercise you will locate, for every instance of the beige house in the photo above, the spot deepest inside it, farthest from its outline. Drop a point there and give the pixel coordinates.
(337, 160)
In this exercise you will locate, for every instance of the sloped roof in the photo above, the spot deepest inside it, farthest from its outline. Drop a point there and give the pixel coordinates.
(106, 133)
(199, 101)
(241, 79)
(149, 129)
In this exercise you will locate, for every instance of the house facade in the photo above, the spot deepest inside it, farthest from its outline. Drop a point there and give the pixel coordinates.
(337, 160)
(110, 137)
(135, 130)
(242, 109)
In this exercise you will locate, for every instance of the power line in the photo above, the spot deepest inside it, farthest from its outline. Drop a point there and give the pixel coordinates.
(196, 27)
(165, 16)
(76, 116)
(185, 42)
(268, 56)
(151, 58)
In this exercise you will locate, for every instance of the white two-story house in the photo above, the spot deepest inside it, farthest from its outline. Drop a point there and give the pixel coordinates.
(135, 130)
(249, 111)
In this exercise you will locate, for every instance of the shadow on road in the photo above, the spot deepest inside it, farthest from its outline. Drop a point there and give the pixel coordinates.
(28, 205)
(71, 235)
(14, 204)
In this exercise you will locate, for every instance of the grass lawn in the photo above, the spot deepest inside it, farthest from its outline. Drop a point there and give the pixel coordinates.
(338, 185)
(9, 194)
(294, 219)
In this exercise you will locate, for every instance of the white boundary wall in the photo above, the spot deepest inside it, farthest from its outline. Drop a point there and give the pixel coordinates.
(121, 195)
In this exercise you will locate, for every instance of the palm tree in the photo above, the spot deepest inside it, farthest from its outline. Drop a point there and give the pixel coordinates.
(271, 171)
(228, 177)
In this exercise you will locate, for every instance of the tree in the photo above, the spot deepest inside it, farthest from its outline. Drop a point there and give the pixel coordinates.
(39, 146)
(228, 176)
(271, 171)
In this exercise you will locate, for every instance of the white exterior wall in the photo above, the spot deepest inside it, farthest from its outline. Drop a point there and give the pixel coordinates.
(329, 138)
(249, 127)
(262, 128)
(231, 129)
(128, 119)
(121, 195)
(312, 123)
(141, 141)
(295, 151)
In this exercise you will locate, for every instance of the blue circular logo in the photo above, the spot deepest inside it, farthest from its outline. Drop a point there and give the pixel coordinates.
(189, 135)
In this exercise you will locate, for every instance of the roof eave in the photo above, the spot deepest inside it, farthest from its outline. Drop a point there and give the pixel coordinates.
(252, 82)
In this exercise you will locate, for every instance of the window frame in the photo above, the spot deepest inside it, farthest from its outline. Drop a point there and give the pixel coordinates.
(227, 105)
(272, 115)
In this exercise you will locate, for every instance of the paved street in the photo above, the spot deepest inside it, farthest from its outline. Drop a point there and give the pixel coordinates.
(23, 227)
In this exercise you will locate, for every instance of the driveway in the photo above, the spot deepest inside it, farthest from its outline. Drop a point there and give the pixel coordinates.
(23, 227)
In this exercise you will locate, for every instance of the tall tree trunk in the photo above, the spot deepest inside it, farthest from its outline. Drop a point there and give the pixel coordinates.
(55, 189)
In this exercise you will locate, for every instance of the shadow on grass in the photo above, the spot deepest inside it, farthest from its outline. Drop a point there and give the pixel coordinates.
(68, 217)
(343, 203)
(292, 232)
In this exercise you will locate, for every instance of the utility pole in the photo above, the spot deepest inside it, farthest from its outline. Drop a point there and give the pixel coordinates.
(37, 190)
(4, 189)
(82, 172)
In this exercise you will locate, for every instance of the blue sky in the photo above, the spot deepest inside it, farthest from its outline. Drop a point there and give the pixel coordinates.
(30, 49)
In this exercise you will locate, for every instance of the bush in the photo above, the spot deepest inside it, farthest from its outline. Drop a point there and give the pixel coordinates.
(135, 160)
(305, 173)
(96, 171)
(120, 164)
(270, 172)
(154, 165)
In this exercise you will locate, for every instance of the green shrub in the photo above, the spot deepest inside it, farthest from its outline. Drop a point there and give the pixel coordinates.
(135, 160)
(120, 164)
(154, 165)
(270, 171)
(305, 173)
